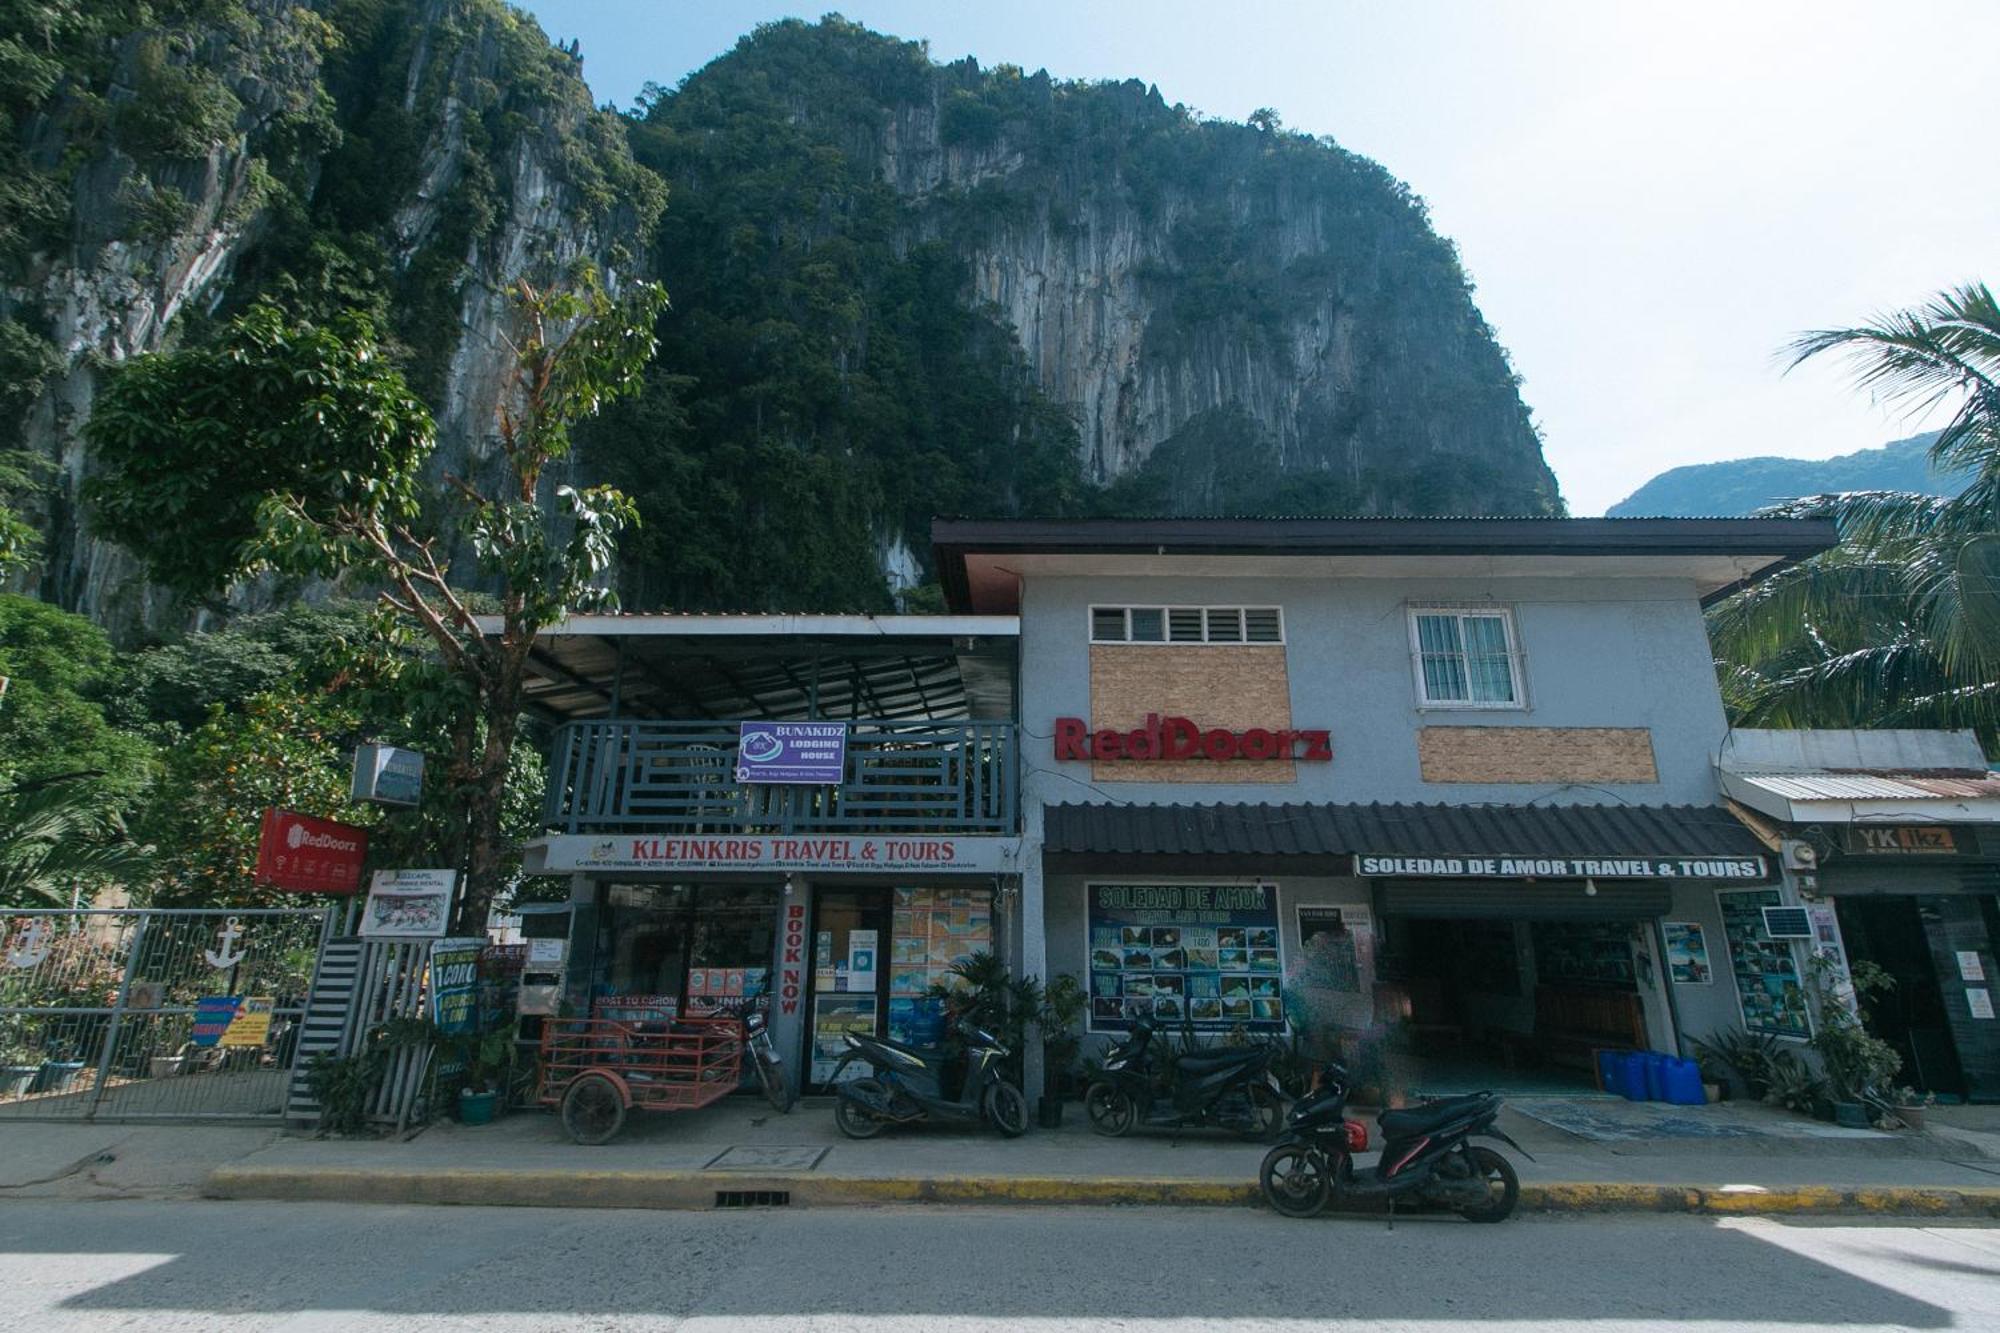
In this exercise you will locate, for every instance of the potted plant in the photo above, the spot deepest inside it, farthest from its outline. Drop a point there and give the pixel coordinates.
(488, 1058)
(20, 1064)
(56, 1073)
(1858, 1064)
(1909, 1105)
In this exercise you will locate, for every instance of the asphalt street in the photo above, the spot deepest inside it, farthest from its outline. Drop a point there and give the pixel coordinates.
(223, 1266)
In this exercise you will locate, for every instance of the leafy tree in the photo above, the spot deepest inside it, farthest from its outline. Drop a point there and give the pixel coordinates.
(292, 447)
(1900, 625)
(57, 844)
(60, 672)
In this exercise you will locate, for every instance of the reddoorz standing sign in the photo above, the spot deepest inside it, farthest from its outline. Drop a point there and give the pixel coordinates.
(1170, 739)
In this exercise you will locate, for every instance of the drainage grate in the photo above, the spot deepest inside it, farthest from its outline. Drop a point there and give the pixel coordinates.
(752, 1198)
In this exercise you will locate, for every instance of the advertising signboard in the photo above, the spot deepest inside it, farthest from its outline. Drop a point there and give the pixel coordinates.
(798, 752)
(455, 985)
(1209, 955)
(387, 775)
(408, 904)
(300, 854)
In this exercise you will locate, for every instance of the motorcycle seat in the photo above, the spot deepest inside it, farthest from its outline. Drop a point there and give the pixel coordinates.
(1413, 1120)
(1205, 1061)
(928, 1054)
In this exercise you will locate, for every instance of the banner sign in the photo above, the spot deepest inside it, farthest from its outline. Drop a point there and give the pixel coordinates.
(386, 775)
(791, 976)
(455, 985)
(212, 1016)
(408, 904)
(802, 752)
(299, 854)
(251, 1023)
(562, 853)
(1562, 867)
(1687, 953)
(1208, 955)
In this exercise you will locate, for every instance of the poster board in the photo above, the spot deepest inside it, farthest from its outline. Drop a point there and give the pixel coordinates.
(1329, 940)
(454, 985)
(408, 904)
(1687, 953)
(1209, 955)
(931, 929)
(1769, 989)
(833, 1017)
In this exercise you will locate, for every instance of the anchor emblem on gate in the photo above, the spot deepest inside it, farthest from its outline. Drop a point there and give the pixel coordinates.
(227, 954)
(31, 946)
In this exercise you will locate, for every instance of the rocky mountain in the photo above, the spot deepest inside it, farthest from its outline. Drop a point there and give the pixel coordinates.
(900, 288)
(1744, 485)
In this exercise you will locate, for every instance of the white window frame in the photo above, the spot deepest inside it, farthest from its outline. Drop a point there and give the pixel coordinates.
(1166, 624)
(1517, 661)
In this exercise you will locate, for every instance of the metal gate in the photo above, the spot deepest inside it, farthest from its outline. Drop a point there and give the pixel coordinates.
(98, 1011)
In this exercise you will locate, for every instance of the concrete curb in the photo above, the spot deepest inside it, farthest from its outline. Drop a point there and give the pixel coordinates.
(702, 1190)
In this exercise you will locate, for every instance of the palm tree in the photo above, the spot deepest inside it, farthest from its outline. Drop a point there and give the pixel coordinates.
(1900, 624)
(55, 837)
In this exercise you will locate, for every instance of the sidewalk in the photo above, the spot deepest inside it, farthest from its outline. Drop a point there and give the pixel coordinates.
(1730, 1158)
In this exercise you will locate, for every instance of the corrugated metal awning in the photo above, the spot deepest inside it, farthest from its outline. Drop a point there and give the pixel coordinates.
(1511, 831)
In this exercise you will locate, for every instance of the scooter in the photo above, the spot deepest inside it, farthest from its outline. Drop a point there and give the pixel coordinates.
(1427, 1155)
(1232, 1087)
(908, 1086)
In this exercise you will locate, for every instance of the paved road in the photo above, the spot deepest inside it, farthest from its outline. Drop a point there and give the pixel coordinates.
(225, 1266)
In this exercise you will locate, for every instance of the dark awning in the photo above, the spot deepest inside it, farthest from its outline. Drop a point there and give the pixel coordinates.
(1538, 841)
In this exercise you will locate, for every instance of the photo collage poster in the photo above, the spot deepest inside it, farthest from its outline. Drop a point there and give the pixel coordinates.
(931, 929)
(1209, 956)
(1766, 971)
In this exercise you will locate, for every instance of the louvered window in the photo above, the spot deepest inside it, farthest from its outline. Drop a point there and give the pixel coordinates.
(1187, 624)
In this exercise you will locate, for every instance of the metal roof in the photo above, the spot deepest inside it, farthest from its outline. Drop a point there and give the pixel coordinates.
(1573, 831)
(1864, 786)
(1734, 552)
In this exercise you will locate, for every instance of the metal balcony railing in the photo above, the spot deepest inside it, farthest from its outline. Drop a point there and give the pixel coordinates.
(901, 777)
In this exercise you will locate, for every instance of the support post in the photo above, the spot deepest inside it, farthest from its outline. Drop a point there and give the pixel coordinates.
(1034, 959)
(117, 1023)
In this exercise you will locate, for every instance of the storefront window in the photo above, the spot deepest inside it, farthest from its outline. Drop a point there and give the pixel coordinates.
(687, 948)
(1591, 953)
(1766, 970)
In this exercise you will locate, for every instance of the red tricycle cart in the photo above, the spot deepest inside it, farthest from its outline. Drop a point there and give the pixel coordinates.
(593, 1070)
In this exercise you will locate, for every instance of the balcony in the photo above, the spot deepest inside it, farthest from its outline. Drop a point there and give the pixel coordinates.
(901, 777)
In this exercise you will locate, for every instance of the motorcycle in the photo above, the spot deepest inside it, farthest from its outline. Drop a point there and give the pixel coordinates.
(1232, 1087)
(1427, 1155)
(908, 1082)
(763, 1053)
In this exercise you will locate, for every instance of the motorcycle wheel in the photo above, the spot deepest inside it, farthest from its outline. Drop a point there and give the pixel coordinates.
(855, 1121)
(1007, 1110)
(1110, 1109)
(776, 1090)
(1266, 1113)
(1503, 1187)
(1295, 1181)
(592, 1110)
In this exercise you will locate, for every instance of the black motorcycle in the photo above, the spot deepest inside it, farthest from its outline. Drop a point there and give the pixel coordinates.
(1427, 1156)
(1230, 1086)
(910, 1083)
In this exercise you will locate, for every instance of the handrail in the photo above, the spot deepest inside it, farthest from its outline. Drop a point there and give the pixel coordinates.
(900, 777)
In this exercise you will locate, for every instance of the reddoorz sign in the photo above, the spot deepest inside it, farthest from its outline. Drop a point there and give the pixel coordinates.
(1176, 738)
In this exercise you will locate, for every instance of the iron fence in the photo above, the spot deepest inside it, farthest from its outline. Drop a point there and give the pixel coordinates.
(99, 1011)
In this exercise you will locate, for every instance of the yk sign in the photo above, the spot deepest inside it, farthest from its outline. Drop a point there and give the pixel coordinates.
(806, 752)
(300, 854)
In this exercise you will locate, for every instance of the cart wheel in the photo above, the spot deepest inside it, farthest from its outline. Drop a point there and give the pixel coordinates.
(592, 1110)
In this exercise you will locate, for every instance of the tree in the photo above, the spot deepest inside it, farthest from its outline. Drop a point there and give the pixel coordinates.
(56, 841)
(1899, 625)
(293, 447)
(61, 674)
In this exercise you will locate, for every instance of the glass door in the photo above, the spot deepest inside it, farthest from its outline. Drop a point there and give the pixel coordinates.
(850, 977)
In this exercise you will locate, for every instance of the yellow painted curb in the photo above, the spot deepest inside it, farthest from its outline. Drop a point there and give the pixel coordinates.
(700, 1189)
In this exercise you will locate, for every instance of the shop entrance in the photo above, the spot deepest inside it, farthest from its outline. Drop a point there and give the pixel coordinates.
(876, 953)
(1888, 930)
(1507, 1004)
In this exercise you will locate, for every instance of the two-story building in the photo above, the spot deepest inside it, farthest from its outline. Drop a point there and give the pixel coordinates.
(1457, 774)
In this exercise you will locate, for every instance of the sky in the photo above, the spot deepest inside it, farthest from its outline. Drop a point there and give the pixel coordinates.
(1651, 200)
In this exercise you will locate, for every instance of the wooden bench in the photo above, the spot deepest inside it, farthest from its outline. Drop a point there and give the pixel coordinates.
(1573, 1023)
